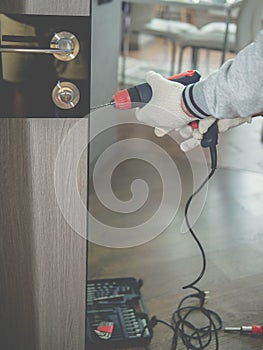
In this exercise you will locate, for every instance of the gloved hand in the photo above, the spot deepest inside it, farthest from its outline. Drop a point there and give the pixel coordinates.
(164, 110)
(203, 126)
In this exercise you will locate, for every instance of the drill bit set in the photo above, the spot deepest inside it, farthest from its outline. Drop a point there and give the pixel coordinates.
(116, 314)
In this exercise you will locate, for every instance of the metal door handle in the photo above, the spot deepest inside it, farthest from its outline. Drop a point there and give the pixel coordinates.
(18, 49)
(64, 46)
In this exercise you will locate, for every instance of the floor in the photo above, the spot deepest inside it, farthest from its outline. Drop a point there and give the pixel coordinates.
(142, 231)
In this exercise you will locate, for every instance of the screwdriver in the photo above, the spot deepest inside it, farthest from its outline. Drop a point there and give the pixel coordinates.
(254, 329)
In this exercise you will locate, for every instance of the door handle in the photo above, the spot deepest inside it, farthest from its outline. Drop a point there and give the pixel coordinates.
(64, 46)
(33, 50)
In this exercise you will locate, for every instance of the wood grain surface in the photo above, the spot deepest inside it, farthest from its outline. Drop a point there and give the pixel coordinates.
(42, 259)
(50, 7)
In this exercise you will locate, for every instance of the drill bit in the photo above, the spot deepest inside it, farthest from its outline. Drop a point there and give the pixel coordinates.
(254, 329)
(103, 105)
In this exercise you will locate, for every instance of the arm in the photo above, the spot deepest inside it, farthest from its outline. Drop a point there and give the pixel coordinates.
(234, 90)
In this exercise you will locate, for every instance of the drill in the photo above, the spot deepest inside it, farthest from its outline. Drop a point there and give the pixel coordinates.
(142, 93)
(129, 98)
(136, 95)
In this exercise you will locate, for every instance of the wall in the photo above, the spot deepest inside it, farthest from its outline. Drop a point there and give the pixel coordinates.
(106, 33)
(106, 30)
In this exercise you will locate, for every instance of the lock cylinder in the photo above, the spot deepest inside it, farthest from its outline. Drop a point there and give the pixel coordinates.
(65, 95)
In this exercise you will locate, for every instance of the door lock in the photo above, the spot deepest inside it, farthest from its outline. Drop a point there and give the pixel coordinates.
(65, 95)
(67, 43)
(63, 45)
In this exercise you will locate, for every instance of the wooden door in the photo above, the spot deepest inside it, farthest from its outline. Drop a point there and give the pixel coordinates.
(42, 257)
(49, 7)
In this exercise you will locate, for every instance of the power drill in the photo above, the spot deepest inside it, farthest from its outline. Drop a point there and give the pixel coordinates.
(128, 98)
(141, 94)
(136, 95)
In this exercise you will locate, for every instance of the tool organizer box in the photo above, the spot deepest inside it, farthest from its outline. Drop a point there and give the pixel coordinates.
(116, 314)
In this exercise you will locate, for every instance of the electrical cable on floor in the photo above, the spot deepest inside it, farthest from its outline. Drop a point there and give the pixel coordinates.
(192, 336)
(192, 284)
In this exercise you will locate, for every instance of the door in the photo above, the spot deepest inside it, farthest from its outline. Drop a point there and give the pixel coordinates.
(45, 92)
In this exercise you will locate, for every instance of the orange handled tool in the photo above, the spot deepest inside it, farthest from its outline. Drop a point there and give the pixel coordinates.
(128, 98)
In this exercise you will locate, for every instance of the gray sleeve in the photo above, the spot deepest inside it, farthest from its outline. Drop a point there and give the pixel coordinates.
(236, 89)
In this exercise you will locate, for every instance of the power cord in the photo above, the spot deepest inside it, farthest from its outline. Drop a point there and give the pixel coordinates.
(196, 337)
(193, 336)
(191, 285)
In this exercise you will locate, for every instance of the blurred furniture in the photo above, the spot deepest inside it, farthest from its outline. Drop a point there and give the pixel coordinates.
(168, 29)
(213, 35)
(134, 16)
(173, 30)
(139, 15)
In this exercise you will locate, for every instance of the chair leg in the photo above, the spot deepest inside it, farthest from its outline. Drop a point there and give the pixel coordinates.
(181, 54)
(197, 57)
(193, 62)
(207, 60)
(173, 57)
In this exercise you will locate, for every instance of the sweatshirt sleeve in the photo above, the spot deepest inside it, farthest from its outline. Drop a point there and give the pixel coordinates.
(235, 90)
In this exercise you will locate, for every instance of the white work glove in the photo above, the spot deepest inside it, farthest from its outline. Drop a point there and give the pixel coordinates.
(164, 110)
(203, 126)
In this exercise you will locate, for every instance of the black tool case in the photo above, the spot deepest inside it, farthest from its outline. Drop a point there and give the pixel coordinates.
(116, 314)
